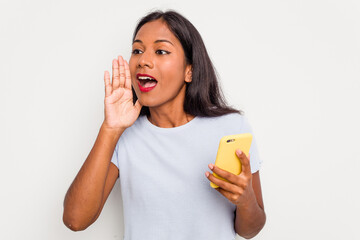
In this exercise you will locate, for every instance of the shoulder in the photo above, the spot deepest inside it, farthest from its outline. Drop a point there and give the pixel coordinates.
(137, 126)
(231, 118)
(225, 117)
(230, 123)
(139, 123)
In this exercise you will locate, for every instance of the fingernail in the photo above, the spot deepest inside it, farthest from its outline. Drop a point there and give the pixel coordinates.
(207, 174)
(211, 166)
(239, 152)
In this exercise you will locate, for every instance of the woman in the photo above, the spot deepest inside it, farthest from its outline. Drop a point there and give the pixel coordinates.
(161, 156)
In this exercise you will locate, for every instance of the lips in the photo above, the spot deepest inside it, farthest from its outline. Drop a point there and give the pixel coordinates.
(146, 82)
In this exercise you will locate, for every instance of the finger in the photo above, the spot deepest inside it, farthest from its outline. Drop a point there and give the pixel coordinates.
(127, 76)
(225, 193)
(108, 88)
(232, 178)
(245, 162)
(221, 183)
(115, 76)
(122, 71)
(138, 105)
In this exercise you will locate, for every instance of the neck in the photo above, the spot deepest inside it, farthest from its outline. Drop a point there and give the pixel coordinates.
(168, 117)
(170, 114)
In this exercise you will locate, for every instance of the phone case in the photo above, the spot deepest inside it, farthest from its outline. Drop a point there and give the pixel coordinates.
(226, 158)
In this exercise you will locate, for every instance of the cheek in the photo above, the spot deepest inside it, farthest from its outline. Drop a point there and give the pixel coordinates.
(173, 71)
(132, 66)
(172, 63)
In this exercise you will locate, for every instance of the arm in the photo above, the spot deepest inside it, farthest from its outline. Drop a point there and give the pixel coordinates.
(250, 217)
(244, 190)
(87, 194)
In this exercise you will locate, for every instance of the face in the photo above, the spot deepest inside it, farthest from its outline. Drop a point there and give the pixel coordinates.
(158, 66)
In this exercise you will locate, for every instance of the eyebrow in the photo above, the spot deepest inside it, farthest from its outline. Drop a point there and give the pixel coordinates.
(157, 41)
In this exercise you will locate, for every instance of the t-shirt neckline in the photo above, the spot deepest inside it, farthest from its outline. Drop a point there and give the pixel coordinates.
(171, 129)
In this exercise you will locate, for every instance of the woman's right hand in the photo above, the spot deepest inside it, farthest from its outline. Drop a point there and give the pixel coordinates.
(120, 112)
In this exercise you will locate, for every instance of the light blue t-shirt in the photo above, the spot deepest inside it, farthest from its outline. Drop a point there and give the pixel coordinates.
(165, 192)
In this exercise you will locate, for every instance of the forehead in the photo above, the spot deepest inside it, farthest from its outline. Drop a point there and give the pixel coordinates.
(156, 30)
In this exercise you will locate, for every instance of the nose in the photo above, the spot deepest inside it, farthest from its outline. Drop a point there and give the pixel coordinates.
(145, 60)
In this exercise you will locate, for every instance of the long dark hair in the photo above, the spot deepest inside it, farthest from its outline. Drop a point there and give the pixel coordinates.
(203, 96)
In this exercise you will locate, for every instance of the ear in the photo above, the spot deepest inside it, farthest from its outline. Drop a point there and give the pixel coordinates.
(188, 73)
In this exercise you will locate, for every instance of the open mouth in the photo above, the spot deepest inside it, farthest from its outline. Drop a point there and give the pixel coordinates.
(146, 82)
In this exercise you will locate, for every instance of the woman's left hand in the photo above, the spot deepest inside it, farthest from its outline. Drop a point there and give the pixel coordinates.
(239, 189)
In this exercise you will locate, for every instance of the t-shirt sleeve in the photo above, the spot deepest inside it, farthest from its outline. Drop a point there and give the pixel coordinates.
(255, 160)
(115, 156)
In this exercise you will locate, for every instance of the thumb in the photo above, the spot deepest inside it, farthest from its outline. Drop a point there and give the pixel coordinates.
(138, 106)
(245, 162)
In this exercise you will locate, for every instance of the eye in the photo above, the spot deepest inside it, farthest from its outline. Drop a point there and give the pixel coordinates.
(162, 52)
(136, 51)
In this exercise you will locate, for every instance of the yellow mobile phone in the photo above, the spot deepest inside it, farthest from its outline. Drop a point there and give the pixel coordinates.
(226, 157)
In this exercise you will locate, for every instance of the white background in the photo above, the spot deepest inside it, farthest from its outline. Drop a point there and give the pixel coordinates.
(292, 66)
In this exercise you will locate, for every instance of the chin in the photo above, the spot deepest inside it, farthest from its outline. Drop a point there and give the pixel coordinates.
(148, 102)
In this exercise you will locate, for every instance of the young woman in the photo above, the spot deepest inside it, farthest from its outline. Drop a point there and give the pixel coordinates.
(164, 117)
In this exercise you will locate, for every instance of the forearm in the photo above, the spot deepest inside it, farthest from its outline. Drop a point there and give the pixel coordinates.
(84, 197)
(250, 218)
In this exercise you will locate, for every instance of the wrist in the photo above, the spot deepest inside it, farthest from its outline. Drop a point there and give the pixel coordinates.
(115, 132)
(249, 201)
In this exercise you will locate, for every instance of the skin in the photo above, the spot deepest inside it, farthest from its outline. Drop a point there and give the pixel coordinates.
(91, 187)
(157, 52)
(243, 190)
(165, 61)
